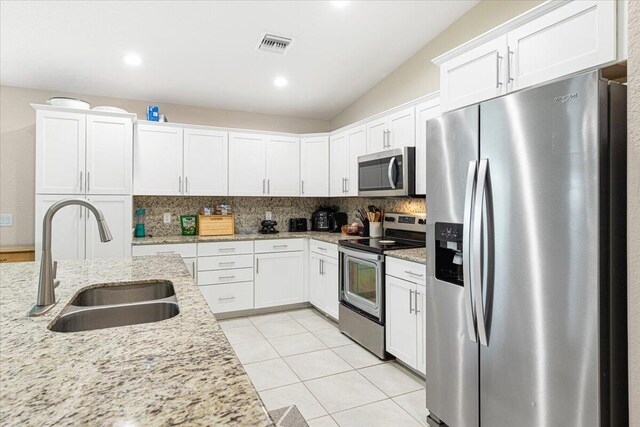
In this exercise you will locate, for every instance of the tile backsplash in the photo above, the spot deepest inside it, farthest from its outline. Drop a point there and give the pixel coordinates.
(249, 211)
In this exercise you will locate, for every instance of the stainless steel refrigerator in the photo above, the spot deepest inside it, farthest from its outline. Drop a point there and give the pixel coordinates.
(526, 288)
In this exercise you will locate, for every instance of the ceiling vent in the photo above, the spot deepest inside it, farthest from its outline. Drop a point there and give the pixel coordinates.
(274, 44)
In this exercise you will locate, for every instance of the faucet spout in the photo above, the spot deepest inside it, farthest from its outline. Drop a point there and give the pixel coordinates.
(46, 297)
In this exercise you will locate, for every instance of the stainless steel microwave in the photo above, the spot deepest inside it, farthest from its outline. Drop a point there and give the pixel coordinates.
(389, 173)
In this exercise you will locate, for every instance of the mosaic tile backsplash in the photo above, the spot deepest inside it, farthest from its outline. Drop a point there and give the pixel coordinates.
(249, 211)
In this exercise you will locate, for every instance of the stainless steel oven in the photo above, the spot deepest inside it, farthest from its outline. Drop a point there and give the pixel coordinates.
(387, 173)
(362, 282)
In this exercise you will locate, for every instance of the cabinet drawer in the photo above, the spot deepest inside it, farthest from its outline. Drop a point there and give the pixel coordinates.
(225, 248)
(224, 262)
(228, 297)
(406, 270)
(279, 245)
(322, 248)
(225, 276)
(186, 250)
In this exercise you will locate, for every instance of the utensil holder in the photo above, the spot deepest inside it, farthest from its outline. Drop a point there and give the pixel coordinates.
(375, 229)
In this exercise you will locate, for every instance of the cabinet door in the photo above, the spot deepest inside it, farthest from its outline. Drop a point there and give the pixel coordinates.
(60, 152)
(357, 147)
(317, 291)
(278, 279)
(425, 111)
(247, 165)
(339, 153)
(205, 162)
(474, 76)
(400, 327)
(573, 37)
(283, 166)
(67, 231)
(157, 161)
(402, 128)
(421, 351)
(377, 135)
(314, 166)
(109, 155)
(330, 276)
(117, 213)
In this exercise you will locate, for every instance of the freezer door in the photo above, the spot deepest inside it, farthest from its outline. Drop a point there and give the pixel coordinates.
(540, 259)
(451, 355)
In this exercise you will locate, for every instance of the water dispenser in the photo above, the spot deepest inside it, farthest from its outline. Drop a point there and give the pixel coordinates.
(448, 238)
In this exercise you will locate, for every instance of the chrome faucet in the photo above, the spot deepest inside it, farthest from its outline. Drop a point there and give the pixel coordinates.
(46, 297)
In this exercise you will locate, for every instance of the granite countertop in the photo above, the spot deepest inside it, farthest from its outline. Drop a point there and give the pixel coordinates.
(317, 235)
(414, 255)
(177, 371)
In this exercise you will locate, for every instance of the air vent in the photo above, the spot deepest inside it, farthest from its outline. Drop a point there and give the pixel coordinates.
(275, 44)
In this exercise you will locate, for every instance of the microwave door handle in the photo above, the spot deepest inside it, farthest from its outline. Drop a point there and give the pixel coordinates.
(466, 250)
(483, 171)
(390, 173)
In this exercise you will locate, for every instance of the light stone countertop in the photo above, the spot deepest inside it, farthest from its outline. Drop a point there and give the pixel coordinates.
(317, 235)
(177, 371)
(418, 255)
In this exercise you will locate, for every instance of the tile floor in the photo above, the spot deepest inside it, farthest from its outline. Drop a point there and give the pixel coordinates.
(300, 358)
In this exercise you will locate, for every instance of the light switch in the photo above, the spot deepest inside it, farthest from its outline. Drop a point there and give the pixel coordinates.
(167, 218)
(6, 220)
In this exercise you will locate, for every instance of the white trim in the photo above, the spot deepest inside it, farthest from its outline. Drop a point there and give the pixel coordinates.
(44, 107)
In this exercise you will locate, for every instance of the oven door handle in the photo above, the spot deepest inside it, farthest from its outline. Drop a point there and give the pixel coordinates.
(361, 254)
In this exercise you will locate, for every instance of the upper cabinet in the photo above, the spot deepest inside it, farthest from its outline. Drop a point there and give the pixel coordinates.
(395, 130)
(82, 153)
(345, 149)
(551, 41)
(264, 165)
(426, 110)
(314, 166)
(205, 162)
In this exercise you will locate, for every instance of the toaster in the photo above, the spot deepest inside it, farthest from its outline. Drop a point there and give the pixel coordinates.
(298, 224)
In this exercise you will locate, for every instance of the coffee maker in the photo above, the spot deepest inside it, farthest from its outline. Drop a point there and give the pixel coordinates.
(268, 226)
(321, 219)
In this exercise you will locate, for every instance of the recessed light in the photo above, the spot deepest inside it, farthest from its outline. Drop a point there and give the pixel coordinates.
(280, 82)
(132, 59)
(340, 4)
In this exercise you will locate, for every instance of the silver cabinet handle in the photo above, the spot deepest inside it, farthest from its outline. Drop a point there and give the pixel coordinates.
(226, 249)
(226, 277)
(193, 269)
(227, 263)
(302, 191)
(410, 301)
(186, 185)
(81, 175)
(322, 267)
(319, 267)
(346, 181)
(413, 274)
(321, 248)
(165, 252)
(179, 184)
(509, 78)
(466, 250)
(264, 183)
(498, 82)
(415, 304)
(280, 246)
(392, 163)
(226, 298)
(483, 172)
(343, 185)
(88, 180)
(268, 186)
(257, 265)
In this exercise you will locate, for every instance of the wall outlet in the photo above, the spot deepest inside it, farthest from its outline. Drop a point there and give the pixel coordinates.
(167, 218)
(268, 216)
(6, 220)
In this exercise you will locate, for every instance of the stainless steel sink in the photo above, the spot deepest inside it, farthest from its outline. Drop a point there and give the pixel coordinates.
(119, 293)
(111, 316)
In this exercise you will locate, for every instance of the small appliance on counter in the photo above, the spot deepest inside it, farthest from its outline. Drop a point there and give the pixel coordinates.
(298, 224)
(140, 232)
(321, 219)
(268, 226)
(337, 220)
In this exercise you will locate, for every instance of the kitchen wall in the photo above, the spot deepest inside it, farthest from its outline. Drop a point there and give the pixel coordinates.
(17, 144)
(249, 211)
(633, 212)
(418, 76)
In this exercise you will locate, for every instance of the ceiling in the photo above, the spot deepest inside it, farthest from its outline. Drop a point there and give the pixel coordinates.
(204, 53)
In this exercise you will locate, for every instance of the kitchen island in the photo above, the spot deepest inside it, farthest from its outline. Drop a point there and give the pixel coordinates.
(177, 371)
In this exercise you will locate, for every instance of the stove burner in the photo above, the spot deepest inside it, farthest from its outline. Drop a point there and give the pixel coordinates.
(386, 242)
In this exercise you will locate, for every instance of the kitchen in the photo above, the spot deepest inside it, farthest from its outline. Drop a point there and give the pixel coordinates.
(256, 252)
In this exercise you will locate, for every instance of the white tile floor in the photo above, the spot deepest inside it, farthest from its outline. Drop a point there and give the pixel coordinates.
(300, 358)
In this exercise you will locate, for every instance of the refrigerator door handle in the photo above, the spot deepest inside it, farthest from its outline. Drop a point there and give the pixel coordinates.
(483, 171)
(466, 249)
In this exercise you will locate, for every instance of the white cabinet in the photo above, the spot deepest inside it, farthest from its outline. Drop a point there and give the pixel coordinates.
(205, 162)
(157, 160)
(323, 279)
(283, 166)
(314, 166)
(395, 130)
(79, 153)
(74, 233)
(424, 111)
(573, 37)
(551, 41)
(404, 312)
(278, 279)
(475, 75)
(357, 138)
(345, 149)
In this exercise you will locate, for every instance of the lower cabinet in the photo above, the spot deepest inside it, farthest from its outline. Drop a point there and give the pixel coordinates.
(226, 297)
(404, 321)
(323, 283)
(279, 279)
